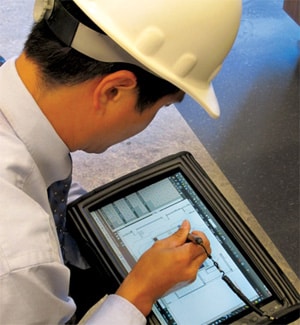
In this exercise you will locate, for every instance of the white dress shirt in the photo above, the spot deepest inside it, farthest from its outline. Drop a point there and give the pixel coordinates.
(34, 281)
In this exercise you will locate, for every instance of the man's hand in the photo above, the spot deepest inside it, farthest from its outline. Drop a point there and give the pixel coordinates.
(168, 262)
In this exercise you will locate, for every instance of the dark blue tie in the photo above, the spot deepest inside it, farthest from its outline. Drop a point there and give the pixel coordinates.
(58, 195)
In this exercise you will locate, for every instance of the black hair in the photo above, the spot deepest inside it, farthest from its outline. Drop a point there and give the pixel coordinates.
(62, 65)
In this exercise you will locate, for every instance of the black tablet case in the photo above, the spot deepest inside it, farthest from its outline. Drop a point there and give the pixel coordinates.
(94, 248)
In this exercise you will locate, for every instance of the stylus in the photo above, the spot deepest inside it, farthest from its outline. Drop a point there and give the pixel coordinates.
(199, 241)
(194, 239)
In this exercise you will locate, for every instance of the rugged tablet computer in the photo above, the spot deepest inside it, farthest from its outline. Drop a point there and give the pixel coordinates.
(117, 222)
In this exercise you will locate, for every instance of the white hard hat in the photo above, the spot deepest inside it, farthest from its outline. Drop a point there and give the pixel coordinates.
(183, 42)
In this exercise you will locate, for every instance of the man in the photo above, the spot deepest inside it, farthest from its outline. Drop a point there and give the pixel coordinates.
(76, 88)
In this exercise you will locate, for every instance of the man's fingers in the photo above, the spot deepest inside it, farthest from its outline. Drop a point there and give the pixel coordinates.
(198, 246)
(180, 236)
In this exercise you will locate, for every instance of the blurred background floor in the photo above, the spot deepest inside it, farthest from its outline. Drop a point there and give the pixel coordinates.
(256, 140)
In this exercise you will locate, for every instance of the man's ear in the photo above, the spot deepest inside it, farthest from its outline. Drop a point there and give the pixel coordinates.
(113, 86)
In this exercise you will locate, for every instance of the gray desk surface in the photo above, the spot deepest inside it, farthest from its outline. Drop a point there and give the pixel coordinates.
(167, 134)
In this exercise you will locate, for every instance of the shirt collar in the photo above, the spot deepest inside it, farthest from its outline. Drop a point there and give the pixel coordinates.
(30, 124)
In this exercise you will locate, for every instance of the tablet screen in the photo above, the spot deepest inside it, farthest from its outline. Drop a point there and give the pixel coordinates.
(132, 223)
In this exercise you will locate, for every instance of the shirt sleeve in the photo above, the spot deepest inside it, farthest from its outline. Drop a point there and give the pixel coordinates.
(113, 310)
(36, 295)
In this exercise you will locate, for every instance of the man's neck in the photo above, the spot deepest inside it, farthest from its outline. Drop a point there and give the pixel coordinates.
(63, 105)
